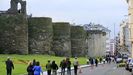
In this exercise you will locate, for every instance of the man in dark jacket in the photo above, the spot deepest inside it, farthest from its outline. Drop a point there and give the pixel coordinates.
(9, 66)
(30, 68)
(68, 66)
(63, 66)
(48, 67)
(54, 68)
(96, 62)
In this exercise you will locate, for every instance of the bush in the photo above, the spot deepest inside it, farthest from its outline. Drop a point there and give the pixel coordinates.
(121, 65)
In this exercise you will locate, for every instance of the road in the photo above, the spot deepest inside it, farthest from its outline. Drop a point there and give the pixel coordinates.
(107, 69)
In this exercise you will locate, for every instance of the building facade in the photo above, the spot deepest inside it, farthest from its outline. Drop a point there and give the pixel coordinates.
(130, 22)
(112, 46)
(125, 44)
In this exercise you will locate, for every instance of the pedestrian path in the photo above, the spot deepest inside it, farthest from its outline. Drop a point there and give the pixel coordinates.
(59, 70)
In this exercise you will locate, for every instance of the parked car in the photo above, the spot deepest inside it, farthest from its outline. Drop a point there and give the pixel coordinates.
(124, 57)
(132, 72)
(129, 64)
(119, 60)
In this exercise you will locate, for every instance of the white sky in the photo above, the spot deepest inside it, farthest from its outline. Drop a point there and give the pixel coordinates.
(105, 12)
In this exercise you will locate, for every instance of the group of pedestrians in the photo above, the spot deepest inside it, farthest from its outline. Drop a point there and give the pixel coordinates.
(96, 61)
(65, 66)
(93, 61)
(34, 67)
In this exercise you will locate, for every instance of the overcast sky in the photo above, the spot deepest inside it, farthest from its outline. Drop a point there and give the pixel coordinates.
(105, 12)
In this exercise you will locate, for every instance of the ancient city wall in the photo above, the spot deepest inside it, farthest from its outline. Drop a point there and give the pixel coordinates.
(23, 34)
(13, 34)
(40, 35)
(96, 43)
(78, 35)
(61, 39)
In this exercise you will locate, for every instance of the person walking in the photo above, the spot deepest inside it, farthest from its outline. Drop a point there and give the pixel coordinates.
(30, 68)
(54, 68)
(48, 68)
(104, 60)
(100, 59)
(63, 66)
(68, 66)
(37, 69)
(34, 62)
(75, 64)
(9, 66)
(96, 62)
(109, 58)
(92, 63)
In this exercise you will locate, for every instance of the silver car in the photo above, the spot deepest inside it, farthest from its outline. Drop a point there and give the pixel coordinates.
(130, 65)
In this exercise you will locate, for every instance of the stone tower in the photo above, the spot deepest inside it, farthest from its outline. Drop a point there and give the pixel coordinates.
(61, 39)
(14, 7)
(14, 29)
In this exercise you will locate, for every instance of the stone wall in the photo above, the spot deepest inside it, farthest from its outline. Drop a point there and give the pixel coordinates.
(13, 34)
(23, 34)
(78, 35)
(40, 35)
(61, 39)
(96, 43)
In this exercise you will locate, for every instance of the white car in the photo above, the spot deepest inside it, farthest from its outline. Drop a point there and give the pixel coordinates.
(129, 65)
(118, 60)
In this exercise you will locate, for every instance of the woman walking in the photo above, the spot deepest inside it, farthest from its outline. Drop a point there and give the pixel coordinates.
(30, 68)
(37, 69)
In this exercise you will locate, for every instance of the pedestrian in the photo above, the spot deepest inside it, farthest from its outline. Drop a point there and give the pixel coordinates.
(9, 66)
(48, 68)
(54, 68)
(109, 59)
(100, 59)
(96, 62)
(68, 66)
(104, 60)
(34, 62)
(92, 63)
(63, 66)
(30, 68)
(87, 61)
(37, 69)
(75, 64)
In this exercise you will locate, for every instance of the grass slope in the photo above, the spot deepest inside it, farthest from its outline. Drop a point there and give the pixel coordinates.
(21, 61)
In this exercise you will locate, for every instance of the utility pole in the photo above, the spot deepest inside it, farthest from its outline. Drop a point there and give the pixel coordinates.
(115, 51)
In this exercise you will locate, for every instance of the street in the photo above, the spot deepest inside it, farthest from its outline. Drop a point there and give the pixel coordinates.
(107, 69)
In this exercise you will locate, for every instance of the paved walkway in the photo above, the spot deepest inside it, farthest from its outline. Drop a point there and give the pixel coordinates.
(59, 70)
(106, 69)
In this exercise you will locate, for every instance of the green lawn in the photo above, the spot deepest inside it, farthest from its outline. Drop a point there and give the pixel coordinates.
(20, 62)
